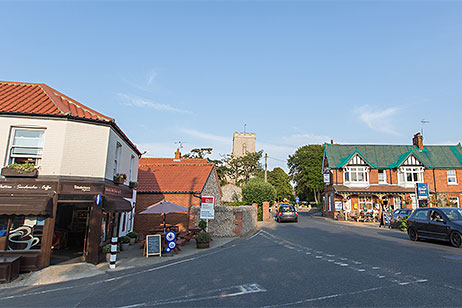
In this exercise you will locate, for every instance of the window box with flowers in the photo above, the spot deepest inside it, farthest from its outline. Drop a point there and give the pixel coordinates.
(20, 170)
(120, 178)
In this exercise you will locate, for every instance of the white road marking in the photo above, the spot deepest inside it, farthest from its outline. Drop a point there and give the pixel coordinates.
(258, 233)
(217, 294)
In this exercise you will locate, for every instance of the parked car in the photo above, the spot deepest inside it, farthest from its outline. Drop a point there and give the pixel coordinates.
(441, 223)
(286, 212)
(401, 213)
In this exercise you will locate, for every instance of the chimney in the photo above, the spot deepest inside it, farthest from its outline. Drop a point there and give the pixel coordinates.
(177, 155)
(332, 141)
(418, 141)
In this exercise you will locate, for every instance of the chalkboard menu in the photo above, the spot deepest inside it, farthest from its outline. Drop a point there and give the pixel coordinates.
(152, 246)
(387, 218)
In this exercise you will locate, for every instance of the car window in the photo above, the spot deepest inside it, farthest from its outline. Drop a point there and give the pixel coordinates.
(421, 214)
(453, 214)
(287, 208)
(435, 216)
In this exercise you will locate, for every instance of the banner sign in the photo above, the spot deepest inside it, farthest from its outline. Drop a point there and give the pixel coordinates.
(422, 191)
(207, 207)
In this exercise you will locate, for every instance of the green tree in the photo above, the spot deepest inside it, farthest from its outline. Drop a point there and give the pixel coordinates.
(242, 169)
(220, 166)
(198, 153)
(305, 169)
(281, 182)
(257, 191)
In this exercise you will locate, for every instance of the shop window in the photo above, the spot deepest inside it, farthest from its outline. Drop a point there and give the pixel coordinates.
(454, 201)
(365, 202)
(25, 233)
(26, 146)
(452, 177)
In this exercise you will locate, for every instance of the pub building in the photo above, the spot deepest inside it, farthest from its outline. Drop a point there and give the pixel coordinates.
(74, 199)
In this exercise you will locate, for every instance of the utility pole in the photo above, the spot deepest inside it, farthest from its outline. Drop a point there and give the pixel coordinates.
(266, 167)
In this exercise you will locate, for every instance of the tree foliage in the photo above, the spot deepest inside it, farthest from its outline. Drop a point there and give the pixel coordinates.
(305, 169)
(219, 163)
(241, 169)
(257, 191)
(281, 182)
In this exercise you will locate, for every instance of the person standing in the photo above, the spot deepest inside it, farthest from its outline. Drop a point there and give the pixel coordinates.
(382, 223)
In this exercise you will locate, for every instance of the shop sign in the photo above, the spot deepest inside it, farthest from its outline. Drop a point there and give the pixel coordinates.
(207, 207)
(117, 191)
(338, 205)
(80, 188)
(326, 177)
(422, 191)
(7, 187)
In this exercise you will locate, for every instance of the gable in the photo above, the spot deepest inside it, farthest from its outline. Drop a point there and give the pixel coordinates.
(412, 161)
(357, 160)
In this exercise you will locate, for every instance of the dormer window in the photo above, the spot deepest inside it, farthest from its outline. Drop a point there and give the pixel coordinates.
(411, 175)
(382, 177)
(356, 175)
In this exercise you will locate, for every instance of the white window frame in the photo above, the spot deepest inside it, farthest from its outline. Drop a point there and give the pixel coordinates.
(38, 157)
(405, 171)
(349, 172)
(452, 177)
(365, 201)
(384, 180)
(117, 158)
(454, 200)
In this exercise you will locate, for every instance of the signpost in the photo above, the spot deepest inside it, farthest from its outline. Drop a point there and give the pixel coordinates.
(152, 246)
(422, 191)
(207, 209)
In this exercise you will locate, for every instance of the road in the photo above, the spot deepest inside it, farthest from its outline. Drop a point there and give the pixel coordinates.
(315, 262)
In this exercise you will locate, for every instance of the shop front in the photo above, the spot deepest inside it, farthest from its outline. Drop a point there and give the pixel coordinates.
(51, 222)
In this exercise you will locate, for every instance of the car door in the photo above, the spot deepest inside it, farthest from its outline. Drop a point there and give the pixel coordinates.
(438, 228)
(421, 221)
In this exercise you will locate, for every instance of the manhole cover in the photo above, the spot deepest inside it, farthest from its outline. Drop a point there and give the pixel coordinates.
(454, 257)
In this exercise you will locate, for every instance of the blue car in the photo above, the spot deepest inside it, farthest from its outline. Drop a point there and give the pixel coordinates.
(401, 213)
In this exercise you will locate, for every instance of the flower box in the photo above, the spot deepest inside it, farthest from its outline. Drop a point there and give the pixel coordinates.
(11, 172)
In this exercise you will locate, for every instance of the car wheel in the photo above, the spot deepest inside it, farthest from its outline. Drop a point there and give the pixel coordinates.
(456, 239)
(413, 234)
(296, 220)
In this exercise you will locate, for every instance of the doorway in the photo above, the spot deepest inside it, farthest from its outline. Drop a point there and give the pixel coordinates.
(70, 233)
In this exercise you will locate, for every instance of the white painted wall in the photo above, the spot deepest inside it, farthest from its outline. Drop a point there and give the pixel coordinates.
(73, 148)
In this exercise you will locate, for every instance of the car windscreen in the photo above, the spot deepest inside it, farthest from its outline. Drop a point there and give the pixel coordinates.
(287, 208)
(453, 214)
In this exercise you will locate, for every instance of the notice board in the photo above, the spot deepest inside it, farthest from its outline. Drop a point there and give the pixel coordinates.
(152, 246)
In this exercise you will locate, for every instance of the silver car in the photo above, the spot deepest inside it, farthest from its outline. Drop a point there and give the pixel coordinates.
(286, 212)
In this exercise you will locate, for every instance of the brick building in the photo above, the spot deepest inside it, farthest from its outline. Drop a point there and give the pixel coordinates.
(72, 201)
(365, 176)
(178, 180)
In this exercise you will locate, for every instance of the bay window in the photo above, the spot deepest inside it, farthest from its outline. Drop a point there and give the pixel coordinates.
(356, 175)
(411, 175)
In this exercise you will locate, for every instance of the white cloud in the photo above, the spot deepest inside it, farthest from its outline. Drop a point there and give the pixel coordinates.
(134, 101)
(150, 77)
(299, 140)
(206, 136)
(381, 121)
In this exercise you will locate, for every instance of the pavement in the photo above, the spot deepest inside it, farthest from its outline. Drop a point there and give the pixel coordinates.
(131, 258)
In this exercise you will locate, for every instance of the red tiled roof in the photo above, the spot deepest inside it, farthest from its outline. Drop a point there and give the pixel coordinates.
(38, 98)
(188, 176)
(169, 161)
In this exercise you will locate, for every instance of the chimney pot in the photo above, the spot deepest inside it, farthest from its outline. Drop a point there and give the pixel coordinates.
(418, 141)
(332, 141)
(177, 154)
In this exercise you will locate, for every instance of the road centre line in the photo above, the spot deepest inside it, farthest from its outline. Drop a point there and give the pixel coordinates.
(364, 268)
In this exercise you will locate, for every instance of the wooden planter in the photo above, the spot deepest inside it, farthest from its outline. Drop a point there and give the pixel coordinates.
(202, 245)
(10, 172)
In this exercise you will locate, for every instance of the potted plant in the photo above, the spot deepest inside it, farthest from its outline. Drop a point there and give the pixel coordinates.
(20, 170)
(125, 242)
(203, 238)
(120, 178)
(132, 184)
(133, 237)
(107, 250)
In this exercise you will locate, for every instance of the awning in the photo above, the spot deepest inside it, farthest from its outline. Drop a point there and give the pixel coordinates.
(115, 205)
(30, 205)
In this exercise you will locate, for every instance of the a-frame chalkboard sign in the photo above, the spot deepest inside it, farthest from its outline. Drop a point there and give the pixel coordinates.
(152, 246)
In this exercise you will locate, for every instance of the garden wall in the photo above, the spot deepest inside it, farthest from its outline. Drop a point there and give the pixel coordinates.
(229, 220)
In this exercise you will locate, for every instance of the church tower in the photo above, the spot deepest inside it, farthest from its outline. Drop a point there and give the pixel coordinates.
(243, 143)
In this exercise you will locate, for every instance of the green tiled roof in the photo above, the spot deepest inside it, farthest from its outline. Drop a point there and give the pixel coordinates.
(392, 156)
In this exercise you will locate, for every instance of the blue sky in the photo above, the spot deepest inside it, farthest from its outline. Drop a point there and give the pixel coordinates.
(296, 73)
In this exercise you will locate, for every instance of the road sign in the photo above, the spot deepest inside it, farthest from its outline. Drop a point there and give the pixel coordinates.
(297, 200)
(207, 207)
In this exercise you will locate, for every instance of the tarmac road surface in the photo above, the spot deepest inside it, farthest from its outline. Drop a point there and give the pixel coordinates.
(315, 262)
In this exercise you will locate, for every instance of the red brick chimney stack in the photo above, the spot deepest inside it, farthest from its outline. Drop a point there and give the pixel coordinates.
(177, 154)
(418, 141)
(332, 141)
